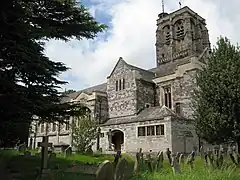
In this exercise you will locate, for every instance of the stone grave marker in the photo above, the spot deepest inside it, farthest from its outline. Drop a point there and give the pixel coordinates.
(168, 153)
(116, 159)
(220, 158)
(105, 171)
(124, 171)
(175, 164)
(191, 159)
(89, 150)
(27, 154)
(181, 159)
(68, 152)
(201, 152)
(210, 157)
(149, 161)
(44, 154)
(52, 155)
(22, 147)
(160, 160)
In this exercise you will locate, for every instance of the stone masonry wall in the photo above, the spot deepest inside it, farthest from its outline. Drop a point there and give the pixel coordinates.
(179, 130)
(131, 140)
(182, 89)
(121, 102)
(145, 94)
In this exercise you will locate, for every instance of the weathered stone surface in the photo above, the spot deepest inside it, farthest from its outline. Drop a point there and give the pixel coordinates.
(181, 45)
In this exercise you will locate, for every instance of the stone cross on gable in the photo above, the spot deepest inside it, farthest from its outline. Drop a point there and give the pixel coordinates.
(44, 151)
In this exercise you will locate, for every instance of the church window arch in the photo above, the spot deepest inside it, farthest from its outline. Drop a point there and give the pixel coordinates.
(179, 29)
(166, 31)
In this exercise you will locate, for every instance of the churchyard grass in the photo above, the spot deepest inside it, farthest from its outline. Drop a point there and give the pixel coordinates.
(199, 172)
(29, 165)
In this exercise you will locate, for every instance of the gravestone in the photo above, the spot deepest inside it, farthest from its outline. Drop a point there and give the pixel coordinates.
(22, 147)
(149, 161)
(105, 171)
(181, 159)
(124, 170)
(201, 152)
(210, 157)
(191, 159)
(27, 154)
(44, 154)
(220, 159)
(216, 150)
(68, 152)
(116, 159)
(52, 155)
(89, 150)
(168, 153)
(160, 160)
(175, 164)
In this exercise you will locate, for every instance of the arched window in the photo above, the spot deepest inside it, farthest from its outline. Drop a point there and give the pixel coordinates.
(179, 29)
(166, 30)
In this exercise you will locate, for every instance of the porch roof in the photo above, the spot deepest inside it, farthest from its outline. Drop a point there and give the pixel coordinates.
(147, 114)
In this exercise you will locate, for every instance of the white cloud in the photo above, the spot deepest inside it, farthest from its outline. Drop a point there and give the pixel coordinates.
(132, 36)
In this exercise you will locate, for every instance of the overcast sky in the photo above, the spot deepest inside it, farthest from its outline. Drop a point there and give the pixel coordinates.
(131, 35)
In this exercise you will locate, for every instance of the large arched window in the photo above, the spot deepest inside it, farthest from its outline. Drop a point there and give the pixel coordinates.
(179, 29)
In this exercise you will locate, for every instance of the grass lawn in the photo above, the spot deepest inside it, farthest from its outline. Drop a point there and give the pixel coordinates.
(28, 167)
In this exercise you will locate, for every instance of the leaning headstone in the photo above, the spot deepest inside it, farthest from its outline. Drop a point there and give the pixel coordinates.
(89, 150)
(160, 160)
(168, 153)
(191, 159)
(105, 171)
(124, 171)
(68, 152)
(175, 165)
(181, 159)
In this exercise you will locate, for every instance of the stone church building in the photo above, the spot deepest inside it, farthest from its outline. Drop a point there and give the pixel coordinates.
(148, 109)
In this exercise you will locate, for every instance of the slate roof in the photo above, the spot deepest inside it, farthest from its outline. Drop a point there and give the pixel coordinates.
(151, 113)
(101, 87)
(168, 68)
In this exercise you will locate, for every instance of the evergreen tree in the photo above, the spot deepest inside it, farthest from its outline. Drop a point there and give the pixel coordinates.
(217, 100)
(28, 78)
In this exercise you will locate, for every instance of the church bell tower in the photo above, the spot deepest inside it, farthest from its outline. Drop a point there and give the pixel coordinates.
(179, 35)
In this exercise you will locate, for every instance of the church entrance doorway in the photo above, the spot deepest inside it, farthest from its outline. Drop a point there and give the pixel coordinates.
(117, 139)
